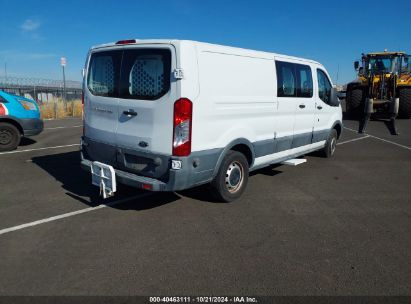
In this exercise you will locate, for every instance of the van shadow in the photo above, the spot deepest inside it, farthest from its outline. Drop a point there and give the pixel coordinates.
(204, 193)
(65, 169)
(25, 141)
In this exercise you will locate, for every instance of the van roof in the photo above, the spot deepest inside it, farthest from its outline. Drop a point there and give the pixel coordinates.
(212, 47)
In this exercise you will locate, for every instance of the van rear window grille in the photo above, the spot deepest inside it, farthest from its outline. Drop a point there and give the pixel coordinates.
(103, 75)
(137, 73)
(147, 77)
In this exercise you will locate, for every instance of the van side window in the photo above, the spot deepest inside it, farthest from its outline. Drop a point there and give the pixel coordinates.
(305, 81)
(103, 73)
(286, 79)
(324, 86)
(145, 74)
(294, 80)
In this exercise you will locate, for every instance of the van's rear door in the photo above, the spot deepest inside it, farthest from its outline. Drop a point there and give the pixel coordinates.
(147, 95)
(129, 101)
(101, 96)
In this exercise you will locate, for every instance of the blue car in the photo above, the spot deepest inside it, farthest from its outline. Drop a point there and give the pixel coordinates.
(19, 116)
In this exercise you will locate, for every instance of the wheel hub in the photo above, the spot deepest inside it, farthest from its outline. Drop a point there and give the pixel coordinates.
(333, 145)
(234, 176)
(5, 137)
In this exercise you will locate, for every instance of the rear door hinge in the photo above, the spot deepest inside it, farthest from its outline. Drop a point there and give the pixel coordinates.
(178, 73)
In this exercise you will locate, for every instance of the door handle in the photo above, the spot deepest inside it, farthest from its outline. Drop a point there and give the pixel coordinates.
(319, 107)
(130, 113)
(302, 106)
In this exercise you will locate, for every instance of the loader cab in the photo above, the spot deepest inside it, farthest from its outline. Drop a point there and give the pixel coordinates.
(385, 63)
(379, 64)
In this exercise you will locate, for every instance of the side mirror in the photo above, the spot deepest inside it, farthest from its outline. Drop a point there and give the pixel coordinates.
(334, 101)
(356, 65)
(83, 72)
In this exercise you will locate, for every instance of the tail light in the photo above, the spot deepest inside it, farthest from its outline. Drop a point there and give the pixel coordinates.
(3, 110)
(183, 112)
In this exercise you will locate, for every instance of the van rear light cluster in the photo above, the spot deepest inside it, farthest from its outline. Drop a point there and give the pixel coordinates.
(183, 112)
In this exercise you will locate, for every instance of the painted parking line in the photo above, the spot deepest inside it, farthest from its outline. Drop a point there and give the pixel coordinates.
(38, 149)
(59, 119)
(69, 214)
(63, 127)
(382, 139)
(351, 140)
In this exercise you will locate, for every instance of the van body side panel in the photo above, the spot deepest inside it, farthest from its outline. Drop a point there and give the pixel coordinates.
(236, 99)
(189, 86)
(286, 154)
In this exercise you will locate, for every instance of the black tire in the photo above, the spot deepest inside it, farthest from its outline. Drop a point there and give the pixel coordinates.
(330, 145)
(404, 110)
(9, 137)
(355, 101)
(227, 188)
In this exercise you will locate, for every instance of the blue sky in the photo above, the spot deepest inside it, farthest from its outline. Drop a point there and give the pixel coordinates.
(35, 34)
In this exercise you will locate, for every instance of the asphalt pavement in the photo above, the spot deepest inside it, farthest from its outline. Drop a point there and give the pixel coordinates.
(337, 226)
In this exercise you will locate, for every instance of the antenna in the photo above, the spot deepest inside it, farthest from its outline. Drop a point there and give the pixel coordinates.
(338, 71)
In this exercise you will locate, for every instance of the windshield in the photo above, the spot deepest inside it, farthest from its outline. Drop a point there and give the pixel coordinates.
(406, 65)
(379, 64)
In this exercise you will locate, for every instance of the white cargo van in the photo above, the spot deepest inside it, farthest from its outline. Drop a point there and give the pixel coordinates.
(166, 115)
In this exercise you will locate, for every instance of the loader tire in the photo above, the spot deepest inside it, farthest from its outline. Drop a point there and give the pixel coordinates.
(404, 110)
(355, 102)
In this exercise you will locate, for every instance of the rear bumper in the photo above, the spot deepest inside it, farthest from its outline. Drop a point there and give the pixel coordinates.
(133, 180)
(31, 126)
(196, 169)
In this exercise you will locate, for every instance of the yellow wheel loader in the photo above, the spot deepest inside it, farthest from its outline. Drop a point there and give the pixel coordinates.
(383, 88)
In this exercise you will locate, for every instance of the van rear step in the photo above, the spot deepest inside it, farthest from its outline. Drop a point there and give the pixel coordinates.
(294, 161)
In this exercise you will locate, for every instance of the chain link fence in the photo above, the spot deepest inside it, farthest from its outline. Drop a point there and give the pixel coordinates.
(54, 101)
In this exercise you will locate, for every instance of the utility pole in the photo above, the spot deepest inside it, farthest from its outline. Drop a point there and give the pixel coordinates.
(338, 71)
(63, 62)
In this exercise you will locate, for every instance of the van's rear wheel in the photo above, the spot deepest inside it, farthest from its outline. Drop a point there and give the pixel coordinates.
(330, 145)
(232, 177)
(9, 137)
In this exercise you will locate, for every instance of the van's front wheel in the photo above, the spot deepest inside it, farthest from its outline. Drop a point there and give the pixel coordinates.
(232, 177)
(9, 137)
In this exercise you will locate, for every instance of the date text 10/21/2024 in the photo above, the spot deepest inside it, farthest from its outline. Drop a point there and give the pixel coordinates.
(206, 299)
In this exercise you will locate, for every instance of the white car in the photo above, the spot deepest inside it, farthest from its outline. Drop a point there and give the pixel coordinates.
(167, 115)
